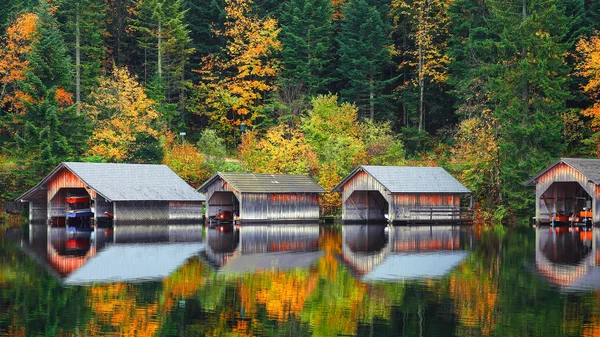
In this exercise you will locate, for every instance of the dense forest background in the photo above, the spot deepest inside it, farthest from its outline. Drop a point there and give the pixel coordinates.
(492, 90)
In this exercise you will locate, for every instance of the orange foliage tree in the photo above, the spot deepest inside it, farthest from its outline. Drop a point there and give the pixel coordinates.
(125, 120)
(233, 85)
(281, 150)
(589, 67)
(185, 159)
(14, 63)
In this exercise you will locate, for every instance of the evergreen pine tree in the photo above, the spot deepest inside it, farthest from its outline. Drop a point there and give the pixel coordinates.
(82, 22)
(527, 89)
(306, 38)
(364, 58)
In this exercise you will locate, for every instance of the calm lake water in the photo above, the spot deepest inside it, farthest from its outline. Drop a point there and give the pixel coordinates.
(300, 281)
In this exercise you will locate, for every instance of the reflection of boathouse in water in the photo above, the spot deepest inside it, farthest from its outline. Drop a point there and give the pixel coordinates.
(253, 248)
(568, 191)
(113, 257)
(405, 252)
(403, 194)
(127, 192)
(568, 258)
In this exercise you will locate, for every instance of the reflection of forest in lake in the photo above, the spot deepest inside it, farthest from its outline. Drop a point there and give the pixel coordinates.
(490, 290)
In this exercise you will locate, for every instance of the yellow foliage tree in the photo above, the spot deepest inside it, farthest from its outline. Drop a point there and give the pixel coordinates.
(426, 22)
(589, 67)
(233, 85)
(186, 160)
(281, 150)
(125, 120)
(476, 158)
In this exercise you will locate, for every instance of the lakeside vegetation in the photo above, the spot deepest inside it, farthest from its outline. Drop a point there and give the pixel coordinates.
(491, 90)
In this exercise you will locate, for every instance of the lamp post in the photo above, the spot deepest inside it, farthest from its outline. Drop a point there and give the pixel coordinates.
(182, 134)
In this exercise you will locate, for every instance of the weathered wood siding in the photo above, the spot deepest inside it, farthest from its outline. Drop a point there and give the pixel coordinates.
(66, 179)
(101, 207)
(425, 206)
(561, 173)
(38, 211)
(279, 206)
(155, 212)
(216, 202)
(352, 209)
(186, 211)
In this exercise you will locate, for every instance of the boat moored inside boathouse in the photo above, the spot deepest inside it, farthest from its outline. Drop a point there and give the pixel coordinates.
(404, 194)
(123, 192)
(254, 197)
(567, 192)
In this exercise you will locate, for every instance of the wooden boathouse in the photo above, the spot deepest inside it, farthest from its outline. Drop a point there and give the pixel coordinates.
(125, 192)
(403, 194)
(567, 187)
(251, 197)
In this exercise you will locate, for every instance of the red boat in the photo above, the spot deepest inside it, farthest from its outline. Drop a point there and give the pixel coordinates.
(224, 216)
(77, 199)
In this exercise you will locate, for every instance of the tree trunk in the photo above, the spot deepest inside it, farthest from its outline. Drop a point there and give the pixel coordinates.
(371, 100)
(159, 48)
(77, 61)
(525, 92)
(421, 90)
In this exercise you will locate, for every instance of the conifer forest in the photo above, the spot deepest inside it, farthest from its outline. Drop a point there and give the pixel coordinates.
(491, 90)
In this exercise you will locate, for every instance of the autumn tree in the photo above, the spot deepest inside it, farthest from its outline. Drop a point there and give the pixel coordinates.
(14, 62)
(281, 150)
(332, 130)
(589, 68)
(125, 121)
(425, 23)
(365, 55)
(185, 159)
(234, 85)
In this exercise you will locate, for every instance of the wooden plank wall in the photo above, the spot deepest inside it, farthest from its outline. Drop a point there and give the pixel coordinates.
(184, 210)
(415, 206)
(279, 206)
(562, 173)
(38, 211)
(155, 212)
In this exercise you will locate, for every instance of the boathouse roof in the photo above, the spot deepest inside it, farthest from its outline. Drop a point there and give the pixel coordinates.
(266, 183)
(588, 167)
(410, 179)
(123, 182)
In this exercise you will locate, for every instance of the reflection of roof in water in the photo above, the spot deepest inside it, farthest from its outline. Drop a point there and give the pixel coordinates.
(278, 260)
(415, 265)
(134, 262)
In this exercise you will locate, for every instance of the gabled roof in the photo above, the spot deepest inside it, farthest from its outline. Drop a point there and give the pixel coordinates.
(588, 167)
(410, 179)
(125, 182)
(266, 183)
